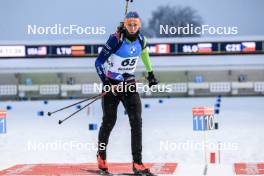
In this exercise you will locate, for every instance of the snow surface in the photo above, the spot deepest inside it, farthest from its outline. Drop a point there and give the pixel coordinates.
(240, 126)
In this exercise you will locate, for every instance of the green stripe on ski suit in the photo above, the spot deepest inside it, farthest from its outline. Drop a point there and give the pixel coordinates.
(145, 57)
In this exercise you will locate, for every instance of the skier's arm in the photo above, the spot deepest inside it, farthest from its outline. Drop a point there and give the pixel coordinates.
(107, 50)
(145, 57)
(146, 60)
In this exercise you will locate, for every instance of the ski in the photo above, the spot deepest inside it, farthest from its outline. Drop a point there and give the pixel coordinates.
(98, 172)
(129, 174)
(105, 172)
(132, 174)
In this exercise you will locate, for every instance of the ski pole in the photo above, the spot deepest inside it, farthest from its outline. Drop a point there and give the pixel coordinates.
(95, 99)
(120, 28)
(87, 99)
(50, 113)
(126, 9)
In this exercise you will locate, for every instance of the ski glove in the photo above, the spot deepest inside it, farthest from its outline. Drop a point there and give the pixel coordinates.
(151, 79)
(120, 28)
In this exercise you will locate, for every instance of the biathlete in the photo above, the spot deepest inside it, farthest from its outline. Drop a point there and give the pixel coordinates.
(116, 64)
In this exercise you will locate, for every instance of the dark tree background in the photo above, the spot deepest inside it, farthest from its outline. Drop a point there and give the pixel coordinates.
(173, 16)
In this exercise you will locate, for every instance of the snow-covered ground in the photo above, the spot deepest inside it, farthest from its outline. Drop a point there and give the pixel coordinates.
(167, 133)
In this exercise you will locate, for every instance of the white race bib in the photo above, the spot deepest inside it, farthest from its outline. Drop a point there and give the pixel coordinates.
(121, 65)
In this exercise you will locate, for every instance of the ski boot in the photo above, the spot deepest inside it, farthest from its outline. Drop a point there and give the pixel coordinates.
(102, 164)
(140, 170)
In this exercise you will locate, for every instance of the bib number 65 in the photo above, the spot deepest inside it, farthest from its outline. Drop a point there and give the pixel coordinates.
(130, 62)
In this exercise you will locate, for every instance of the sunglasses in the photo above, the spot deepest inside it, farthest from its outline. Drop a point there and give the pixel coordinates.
(132, 25)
